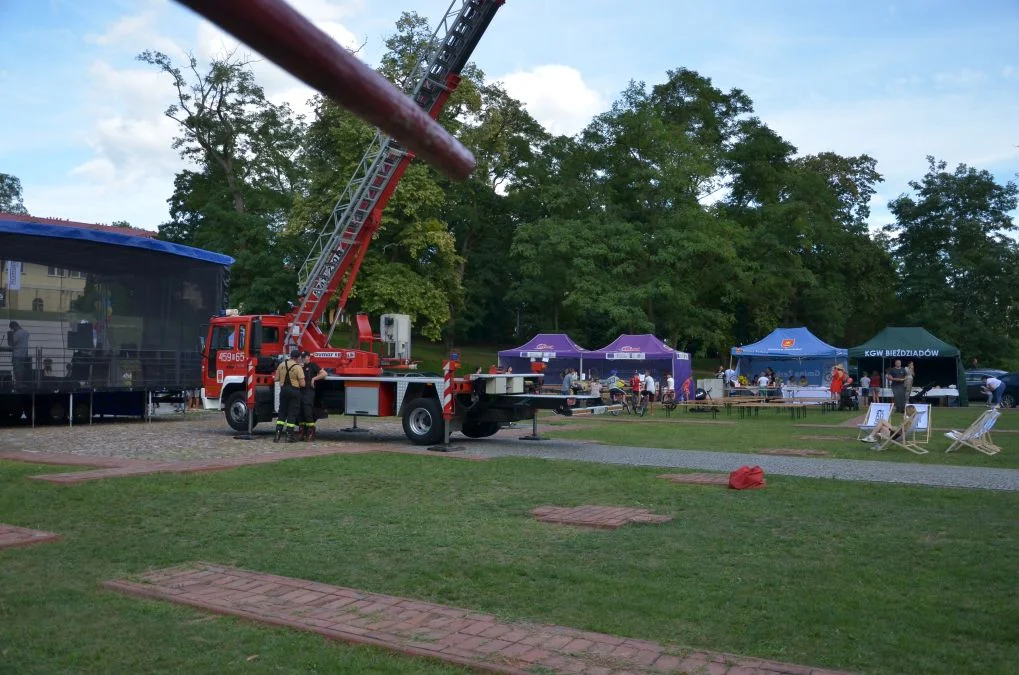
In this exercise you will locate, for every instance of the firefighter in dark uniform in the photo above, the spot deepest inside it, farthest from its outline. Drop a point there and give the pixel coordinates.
(312, 374)
(290, 376)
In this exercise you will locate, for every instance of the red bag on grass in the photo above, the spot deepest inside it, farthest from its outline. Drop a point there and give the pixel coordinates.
(747, 478)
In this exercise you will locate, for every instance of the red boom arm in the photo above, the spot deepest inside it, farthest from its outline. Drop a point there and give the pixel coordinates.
(288, 39)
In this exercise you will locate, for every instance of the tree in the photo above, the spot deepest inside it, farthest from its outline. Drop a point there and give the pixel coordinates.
(10, 195)
(956, 258)
(237, 199)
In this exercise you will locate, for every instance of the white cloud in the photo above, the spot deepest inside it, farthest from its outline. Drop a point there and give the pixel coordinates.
(137, 32)
(129, 173)
(556, 96)
(962, 77)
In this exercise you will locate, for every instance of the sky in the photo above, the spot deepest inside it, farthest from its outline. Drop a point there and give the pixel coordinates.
(82, 123)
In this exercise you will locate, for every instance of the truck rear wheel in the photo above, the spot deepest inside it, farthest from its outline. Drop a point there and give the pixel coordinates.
(479, 429)
(422, 421)
(237, 412)
(51, 410)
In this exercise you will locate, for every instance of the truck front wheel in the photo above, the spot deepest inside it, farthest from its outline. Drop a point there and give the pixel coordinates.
(422, 421)
(237, 412)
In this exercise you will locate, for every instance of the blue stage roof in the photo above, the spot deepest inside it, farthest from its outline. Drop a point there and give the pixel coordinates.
(16, 237)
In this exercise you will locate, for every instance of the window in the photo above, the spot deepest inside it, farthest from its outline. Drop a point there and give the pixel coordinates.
(270, 335)
(37, 305)
(243, 333)
(222, 337)
(55, 271)
(77, 275)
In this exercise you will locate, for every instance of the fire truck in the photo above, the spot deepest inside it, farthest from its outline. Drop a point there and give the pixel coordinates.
(377, 377)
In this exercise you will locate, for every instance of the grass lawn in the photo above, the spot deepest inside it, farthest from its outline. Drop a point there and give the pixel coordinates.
(864, 577)
(771, 429)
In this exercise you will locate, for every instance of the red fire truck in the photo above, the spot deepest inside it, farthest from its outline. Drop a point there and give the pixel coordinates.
(377, 377)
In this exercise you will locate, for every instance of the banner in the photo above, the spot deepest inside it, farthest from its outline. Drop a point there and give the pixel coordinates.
(13, 275)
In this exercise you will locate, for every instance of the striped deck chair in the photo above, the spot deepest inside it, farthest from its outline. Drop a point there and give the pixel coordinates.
(922, 429)
(875, 412)
(977, 435)
(902, 434)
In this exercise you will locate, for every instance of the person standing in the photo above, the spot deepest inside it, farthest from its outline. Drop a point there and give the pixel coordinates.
(649, 389)
(908, 383)
(290, 377)
(21, 362)
(875, 387)
(838, 381)
(762, 385)
(865, 386)
(567, 385)
(312, 373)
(897, 379)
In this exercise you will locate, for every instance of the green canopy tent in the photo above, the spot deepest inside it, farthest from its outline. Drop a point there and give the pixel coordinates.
(936, 361)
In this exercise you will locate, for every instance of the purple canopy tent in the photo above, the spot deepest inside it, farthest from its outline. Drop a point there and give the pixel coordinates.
(558, 350)
(636, 353)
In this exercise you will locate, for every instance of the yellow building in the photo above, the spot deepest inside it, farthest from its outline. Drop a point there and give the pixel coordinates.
(43, 288)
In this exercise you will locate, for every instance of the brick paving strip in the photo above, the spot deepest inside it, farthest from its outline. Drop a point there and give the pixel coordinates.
(12, 536)
(697, 478)
(117, 467)
(424, 629)
(796, 452)
(601, 517)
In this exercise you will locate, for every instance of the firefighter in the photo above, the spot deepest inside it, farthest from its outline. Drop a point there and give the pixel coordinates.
(290, 376)
(312, 374)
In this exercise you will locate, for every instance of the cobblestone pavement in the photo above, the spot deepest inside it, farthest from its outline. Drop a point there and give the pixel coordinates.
(426, 629)
(205, 436)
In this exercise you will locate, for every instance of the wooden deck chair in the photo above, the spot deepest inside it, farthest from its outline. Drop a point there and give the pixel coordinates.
(901, 434)
(875, 412)
(976, 435)
(922, 428)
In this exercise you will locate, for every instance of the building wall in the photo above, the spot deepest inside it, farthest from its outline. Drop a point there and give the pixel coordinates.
(43, 289)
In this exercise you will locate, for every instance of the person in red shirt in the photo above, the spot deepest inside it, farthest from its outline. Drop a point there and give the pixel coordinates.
(838, 380)
(635, 383)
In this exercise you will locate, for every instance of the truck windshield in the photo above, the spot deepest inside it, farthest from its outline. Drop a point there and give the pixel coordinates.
(222, 337)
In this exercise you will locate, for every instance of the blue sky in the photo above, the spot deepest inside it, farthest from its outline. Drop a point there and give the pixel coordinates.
(82, 123)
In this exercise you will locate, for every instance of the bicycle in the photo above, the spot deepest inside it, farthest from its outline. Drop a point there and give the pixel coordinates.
(669, 402)
(638, 404)
(633, 403)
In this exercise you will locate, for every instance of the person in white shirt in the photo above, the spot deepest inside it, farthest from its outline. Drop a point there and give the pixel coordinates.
(729, 379)
(649, 390)
(865, 386)
(762, 384)
(996, 388)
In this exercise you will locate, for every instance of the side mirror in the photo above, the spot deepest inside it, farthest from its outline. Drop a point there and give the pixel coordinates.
(256, 337)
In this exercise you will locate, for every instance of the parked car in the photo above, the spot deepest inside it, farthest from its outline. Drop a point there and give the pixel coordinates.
(1010, 398)
(975, 380)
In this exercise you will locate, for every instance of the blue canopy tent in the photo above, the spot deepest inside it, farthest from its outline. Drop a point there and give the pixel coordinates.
(791, 352)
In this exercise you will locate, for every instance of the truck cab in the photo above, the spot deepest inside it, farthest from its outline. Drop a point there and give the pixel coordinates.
(232, 341)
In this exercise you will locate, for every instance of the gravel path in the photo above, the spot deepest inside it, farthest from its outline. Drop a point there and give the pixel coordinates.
(840, 469)
(205, 436)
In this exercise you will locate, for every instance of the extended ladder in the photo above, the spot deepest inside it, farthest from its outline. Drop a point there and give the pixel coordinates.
(341, 243)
